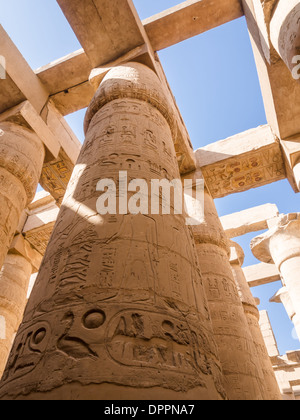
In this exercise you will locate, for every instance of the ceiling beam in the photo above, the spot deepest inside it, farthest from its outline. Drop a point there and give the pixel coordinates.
(239, 163)
(189, 19)
(106, 29)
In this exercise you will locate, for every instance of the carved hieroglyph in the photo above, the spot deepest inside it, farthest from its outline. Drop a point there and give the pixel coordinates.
(243, 376)
(242, 173)
(56, 176)
(118, 310)
(21, 159)
(14, 281)
(269, 384)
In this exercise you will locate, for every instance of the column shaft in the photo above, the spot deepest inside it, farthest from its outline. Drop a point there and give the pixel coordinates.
(21, 160)
(281, 245)
(14, 279)
(118, 310)
(236, 349)
(269, 383)
(290, 273)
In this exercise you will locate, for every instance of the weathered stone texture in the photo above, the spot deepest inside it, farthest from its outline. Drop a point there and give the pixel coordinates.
(241, 369)
(14, 280)
(21, 159)
(119, 303)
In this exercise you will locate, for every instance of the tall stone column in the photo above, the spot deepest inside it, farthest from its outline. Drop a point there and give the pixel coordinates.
(236, 348)
(21, 159)
(269, 384)
(283, 297)
(118, 310)
(281, 246)
(14, 280)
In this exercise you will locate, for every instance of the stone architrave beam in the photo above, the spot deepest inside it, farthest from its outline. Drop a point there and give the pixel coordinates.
(111, 29)
(247, 160)
(281, 92)
(189, 19)
(20, 79)
(106, 29)
(42, 215)
(31, 107)
(260, 274)
(250, 220)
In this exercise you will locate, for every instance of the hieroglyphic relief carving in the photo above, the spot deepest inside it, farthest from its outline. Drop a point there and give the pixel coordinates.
(122, 293)
(39, 237)
(56, 176)
(243, 173)
(244, 378)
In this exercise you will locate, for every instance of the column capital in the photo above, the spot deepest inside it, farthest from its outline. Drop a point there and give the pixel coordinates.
(283, 296)
(23, 159)
(131, 81)
(237, 255)
(280, 243)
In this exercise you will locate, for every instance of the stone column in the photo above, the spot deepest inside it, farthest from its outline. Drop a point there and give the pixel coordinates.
(241, 368)
(21, 159)
(285, 32)
(14, 280)
(118, 310)
(269, 384)
(281, 246)
(283, 297)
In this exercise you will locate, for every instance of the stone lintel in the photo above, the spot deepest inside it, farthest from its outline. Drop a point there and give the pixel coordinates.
(106, 29)
(282, 108)
(247, 160)
(21, 80)
(250, 220)
(22, 247)
(260, 274)
(41, 217)
(56, 176)
(189, 19)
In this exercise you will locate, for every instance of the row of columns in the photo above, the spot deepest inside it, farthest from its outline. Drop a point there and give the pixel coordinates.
(22, 156)
(280, 245)
(131, 306)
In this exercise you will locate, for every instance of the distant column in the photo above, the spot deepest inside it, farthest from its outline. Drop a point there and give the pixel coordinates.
(118, 310)
(269, 384)
(281, 245)
(241, 368)
(14, 280)
(21, 159)
(283, 297)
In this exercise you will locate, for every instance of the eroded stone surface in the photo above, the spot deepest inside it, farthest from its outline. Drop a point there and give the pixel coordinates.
(14, 280)
(21, 159)
(242, 373)
(118, 309)
(270, 389)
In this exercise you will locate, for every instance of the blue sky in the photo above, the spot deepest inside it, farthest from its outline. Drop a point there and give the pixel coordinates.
(215, 83)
